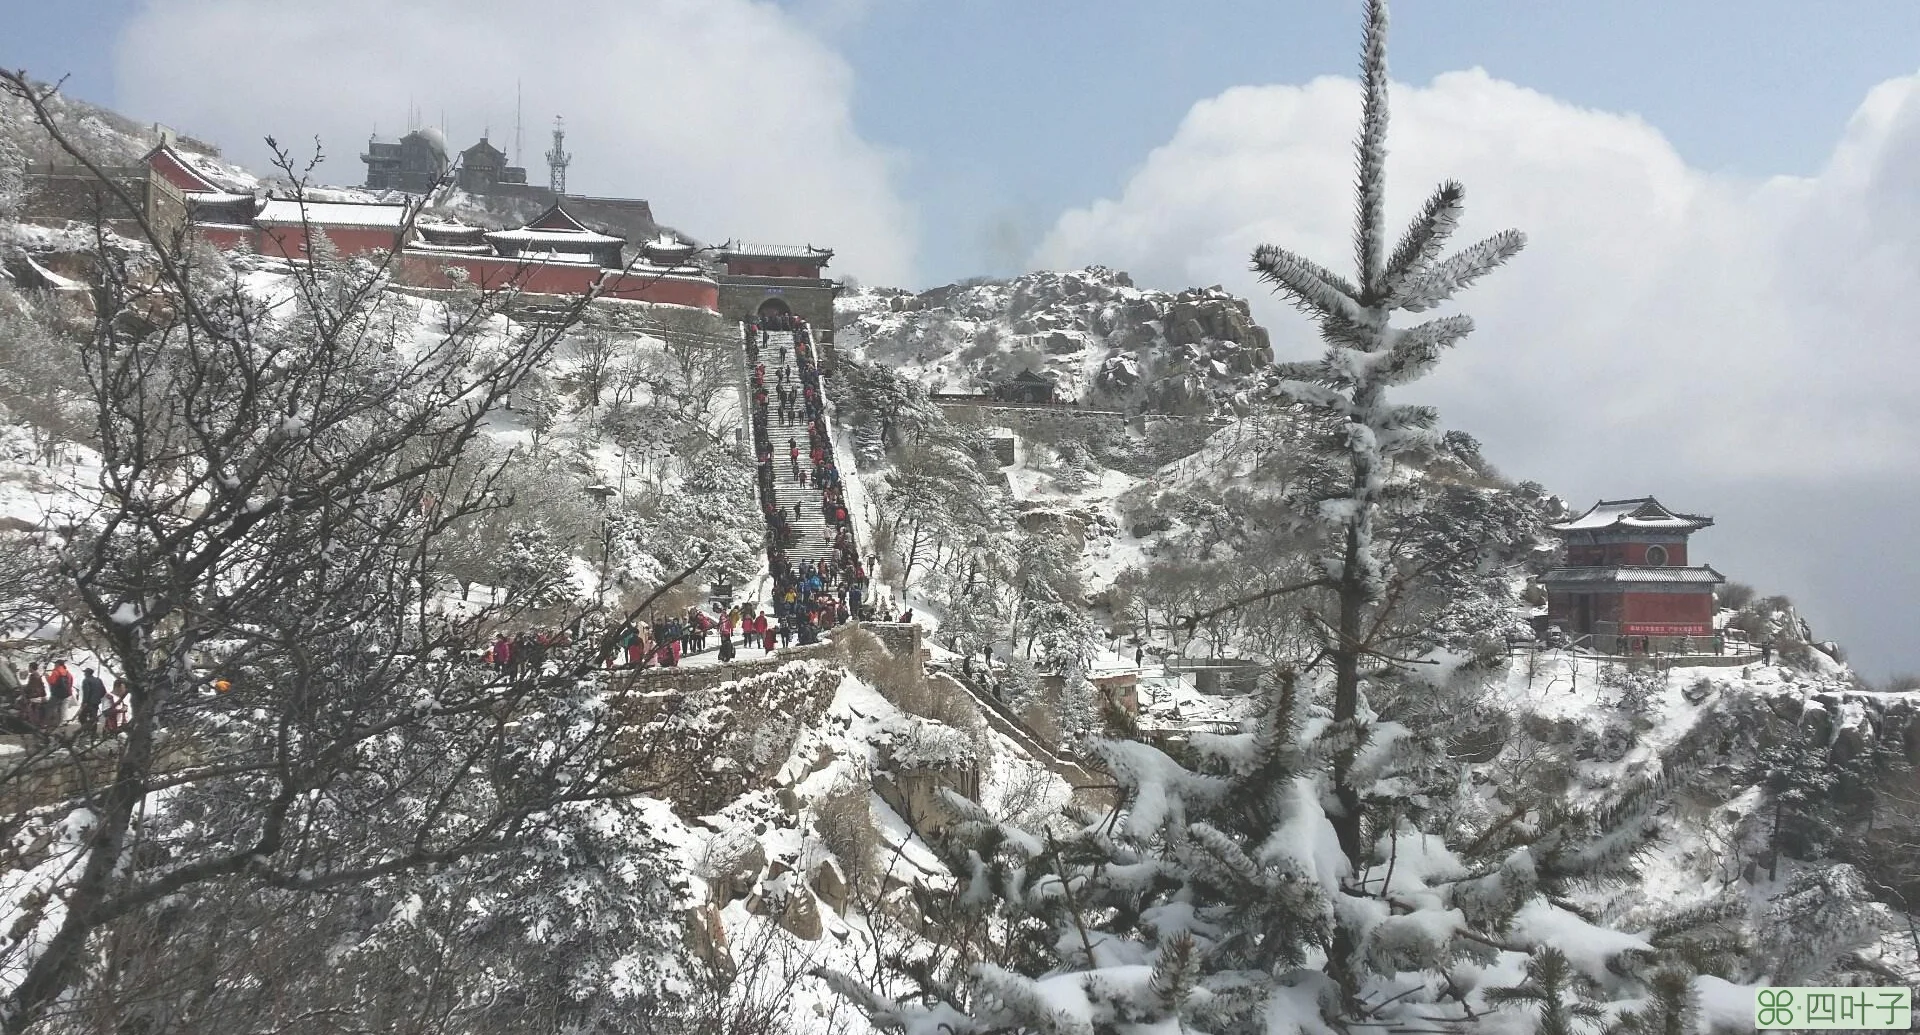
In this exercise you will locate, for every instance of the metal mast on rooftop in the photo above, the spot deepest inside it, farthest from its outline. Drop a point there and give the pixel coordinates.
(558, 158)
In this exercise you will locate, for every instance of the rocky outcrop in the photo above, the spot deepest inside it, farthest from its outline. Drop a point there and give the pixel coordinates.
(1104, 342)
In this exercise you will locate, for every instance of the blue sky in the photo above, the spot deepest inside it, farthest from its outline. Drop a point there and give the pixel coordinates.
(1716, 307)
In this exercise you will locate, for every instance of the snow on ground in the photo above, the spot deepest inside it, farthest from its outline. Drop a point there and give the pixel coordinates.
(860, 730)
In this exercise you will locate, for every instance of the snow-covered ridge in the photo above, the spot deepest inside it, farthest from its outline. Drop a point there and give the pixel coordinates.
(1103, 341)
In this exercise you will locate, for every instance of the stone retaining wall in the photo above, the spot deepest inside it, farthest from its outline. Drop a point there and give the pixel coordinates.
(705, 746)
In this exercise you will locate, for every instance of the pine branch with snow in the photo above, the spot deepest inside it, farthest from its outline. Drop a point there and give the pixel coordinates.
(1553, 991)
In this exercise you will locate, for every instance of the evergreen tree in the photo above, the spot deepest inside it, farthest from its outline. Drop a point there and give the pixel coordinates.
(536, 568)
(1365, 356)
(1201, 907)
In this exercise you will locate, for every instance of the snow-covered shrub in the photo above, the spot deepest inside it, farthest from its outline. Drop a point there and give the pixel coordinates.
(844, 820)
(1821, 913)
(536, 568)
(1070, 468)
(912, 742)
(1609, 741)
(1639, 688)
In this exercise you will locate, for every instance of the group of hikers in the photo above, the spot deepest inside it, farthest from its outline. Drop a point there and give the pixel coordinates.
(523, 652)
(820, 591)
(666, 639)
(46, 699)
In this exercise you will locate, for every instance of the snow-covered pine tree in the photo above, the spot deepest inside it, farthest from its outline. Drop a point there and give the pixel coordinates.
(536, 568)
(1365, 356)
(1672, 1007)
(1222, 878)
(1201, 907)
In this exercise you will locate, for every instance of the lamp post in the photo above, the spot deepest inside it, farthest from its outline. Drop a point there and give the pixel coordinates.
(604, 493)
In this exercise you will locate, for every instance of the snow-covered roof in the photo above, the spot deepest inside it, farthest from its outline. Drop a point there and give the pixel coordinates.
(743, 249)
(216, 197)
(548, 255)
(448, 231)
(1644, 512)
(526, 237)
(290, 212)
(1704, 575)
(424, 245)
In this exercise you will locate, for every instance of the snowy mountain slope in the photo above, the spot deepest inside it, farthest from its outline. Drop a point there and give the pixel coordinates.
(1104, 341)
(1710, 738)
(108, 138)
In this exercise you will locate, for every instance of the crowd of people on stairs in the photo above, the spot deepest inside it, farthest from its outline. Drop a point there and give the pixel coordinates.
(827, 585)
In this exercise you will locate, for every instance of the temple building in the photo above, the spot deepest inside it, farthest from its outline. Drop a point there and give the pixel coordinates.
(1025, 387)
(763, 279)
(1626, 581)
(555, 236)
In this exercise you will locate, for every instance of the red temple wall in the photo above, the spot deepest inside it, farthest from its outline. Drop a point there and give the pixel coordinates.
(491, 273)
(1623, 553)
(1690, 613)
(290, 242)
(226, 238)
(423, 269)
(773, 268)
(642, 287)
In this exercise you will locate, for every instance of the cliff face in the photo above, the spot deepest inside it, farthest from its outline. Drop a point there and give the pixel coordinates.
(1104, 341)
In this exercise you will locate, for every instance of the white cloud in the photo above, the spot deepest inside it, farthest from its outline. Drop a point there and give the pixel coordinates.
(1686, 321)
(1667, 330)
(728, 115)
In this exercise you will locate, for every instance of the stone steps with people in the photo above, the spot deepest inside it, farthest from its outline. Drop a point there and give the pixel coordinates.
(811, 551)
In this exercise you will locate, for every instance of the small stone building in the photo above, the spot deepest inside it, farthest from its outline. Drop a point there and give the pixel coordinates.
(1025, 387)
(484, 166)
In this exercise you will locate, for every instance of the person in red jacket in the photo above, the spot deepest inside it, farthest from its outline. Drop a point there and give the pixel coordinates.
(59, 692)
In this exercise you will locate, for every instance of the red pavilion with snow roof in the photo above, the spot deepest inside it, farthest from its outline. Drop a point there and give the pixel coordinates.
(1626, 580)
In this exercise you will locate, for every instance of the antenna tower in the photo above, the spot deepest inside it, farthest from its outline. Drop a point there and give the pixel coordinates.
(516, 120)
(558, 158)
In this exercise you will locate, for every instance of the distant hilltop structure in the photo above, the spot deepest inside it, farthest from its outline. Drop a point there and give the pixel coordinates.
(573, 245)
(420, 161)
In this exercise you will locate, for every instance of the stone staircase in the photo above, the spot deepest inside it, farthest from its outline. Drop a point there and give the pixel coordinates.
(814, 537)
